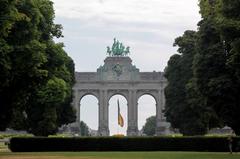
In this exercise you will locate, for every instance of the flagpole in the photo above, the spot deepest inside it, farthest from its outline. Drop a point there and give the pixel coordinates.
(120, 118)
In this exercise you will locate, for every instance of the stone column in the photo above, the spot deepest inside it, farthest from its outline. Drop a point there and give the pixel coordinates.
(132, 114)
(105, 110)
(103, 129)
(76, 105)
(162, 127)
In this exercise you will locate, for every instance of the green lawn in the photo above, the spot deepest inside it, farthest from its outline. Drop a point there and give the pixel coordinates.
(2, 145)
(120, 155)
(3, 148)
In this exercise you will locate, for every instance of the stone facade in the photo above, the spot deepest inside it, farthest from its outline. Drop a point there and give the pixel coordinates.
(119, 76)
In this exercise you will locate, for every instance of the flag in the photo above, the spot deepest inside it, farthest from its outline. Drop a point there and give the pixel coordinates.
(120, 118)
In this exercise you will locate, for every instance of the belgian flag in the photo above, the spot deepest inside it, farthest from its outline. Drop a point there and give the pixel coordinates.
(120, 118)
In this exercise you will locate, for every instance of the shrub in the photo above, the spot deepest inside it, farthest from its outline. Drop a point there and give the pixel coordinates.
(36, 144)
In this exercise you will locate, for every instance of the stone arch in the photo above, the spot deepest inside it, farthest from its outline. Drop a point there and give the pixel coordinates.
(83, 94)
(123, 93)
(152, 93)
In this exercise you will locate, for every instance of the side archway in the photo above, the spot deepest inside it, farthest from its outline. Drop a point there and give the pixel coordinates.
(146, 109)
(89, 114)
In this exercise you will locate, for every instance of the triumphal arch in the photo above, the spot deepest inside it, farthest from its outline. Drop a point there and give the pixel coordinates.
(119, 76)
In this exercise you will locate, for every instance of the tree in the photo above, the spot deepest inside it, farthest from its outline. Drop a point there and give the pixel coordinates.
(178, 73)
(184, 110)
(208, 94)
(150, 126)
(36, 73)
(84, 129)
(7, 18)
(21, 57)
(229, 14)
(48, 99)
(215, 72)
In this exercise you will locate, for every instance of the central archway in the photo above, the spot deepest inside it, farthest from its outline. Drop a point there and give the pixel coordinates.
(114, 127)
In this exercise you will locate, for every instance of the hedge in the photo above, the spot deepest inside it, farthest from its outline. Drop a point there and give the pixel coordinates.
(40, 144)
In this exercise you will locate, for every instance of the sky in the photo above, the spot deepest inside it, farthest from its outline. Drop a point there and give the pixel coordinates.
(149, 27)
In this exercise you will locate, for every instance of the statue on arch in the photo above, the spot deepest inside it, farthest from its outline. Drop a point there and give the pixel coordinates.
(118, 49)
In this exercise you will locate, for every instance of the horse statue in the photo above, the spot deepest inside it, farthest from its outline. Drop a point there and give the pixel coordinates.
(118, 49)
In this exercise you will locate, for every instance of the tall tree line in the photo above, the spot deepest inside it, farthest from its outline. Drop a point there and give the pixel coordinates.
(204, 77)
(36, 74)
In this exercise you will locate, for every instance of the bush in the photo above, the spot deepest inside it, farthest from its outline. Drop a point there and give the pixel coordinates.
(36, 144)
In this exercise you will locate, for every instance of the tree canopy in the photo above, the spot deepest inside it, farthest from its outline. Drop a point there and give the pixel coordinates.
(204, 77)
(84, 129)
(150, 126)
(36, 74)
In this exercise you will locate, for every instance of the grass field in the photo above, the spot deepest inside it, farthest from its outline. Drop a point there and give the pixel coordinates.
(118, 155)
(3, 147)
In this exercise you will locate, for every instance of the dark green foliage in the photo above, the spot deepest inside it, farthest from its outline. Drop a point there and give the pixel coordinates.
(150, 126)
(183, 109)
(217, 63)
(48, 98)
(172, 73)
(210, 74)
(84, 129)
(65, 113)
(211, 144)
(19, 120)
(230, 33)
(204, 87)
(8, 16)
(36, 74)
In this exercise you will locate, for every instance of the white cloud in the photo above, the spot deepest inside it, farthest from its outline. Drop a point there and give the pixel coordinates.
(148, 25)
(126, 10)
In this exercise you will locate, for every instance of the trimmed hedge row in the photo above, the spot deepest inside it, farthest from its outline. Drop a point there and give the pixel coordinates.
(40, 144)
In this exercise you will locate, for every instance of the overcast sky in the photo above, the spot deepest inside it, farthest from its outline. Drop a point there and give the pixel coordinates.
(149, 27)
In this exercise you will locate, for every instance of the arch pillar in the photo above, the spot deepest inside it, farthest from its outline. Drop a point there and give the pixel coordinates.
(162, 127)
(103, 129)
(132, 129)
(76, 106)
